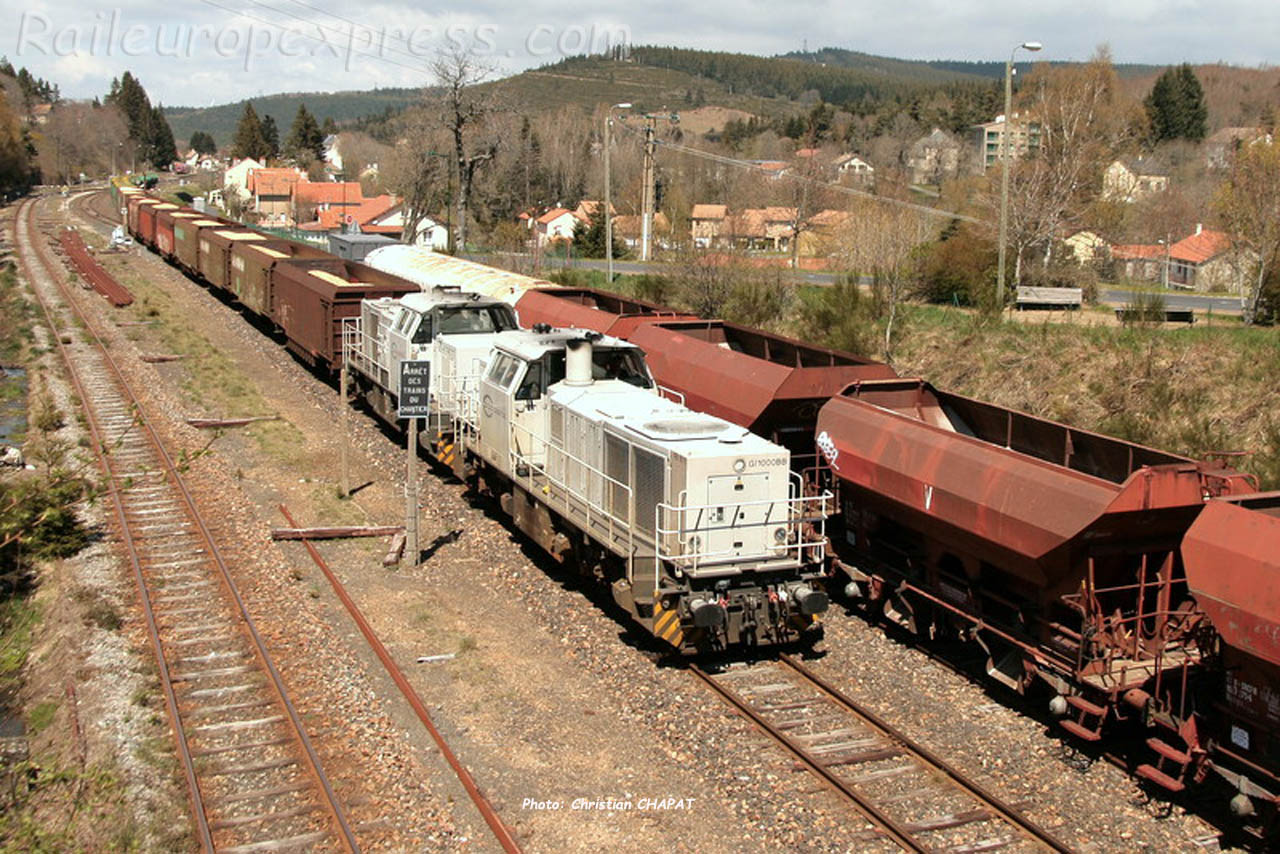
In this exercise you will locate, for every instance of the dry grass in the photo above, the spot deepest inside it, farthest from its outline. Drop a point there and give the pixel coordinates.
(1188, 390)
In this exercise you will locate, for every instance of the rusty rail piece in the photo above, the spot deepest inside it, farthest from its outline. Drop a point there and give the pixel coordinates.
(869, 741)
(491, 817)
(111, 407)
(92, 272)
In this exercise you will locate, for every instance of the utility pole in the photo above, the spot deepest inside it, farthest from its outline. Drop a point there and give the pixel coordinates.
(608, 201)
(646, 216)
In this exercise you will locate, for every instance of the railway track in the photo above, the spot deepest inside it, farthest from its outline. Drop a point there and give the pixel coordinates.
(255, 780)
(915, 799)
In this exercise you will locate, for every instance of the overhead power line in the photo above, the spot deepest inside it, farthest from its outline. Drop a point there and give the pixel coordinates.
(817, 182)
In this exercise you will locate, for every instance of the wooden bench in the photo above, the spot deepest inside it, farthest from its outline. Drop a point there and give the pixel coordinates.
(1171, 315)
(1051, 298)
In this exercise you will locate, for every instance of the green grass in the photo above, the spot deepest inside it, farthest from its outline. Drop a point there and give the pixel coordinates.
(39, 718)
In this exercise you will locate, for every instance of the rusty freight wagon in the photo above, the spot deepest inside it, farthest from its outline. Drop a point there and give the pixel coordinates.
(587, 308)
(1233, 570)
(1054, 549)
(313, 296)
(167, 214)
(186, 239)
(252, 264)
(770, 384)
(146, 219)
(215, 252)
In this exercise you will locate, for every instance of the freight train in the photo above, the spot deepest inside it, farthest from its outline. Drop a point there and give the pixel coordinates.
(1134, 588)
(700, 529)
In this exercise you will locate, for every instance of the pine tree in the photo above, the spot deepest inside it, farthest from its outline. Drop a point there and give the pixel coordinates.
(160, 147)
(305, 141)
(203, 143)
(1176, 108)
(330, 127)
(271, 135)
(249, 140)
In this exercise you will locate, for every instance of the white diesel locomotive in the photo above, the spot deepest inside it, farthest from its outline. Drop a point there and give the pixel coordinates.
(698, 526)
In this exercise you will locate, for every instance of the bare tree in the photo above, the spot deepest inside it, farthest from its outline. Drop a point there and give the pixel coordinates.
(464, 110)
(1249, 203)
(1083, 123)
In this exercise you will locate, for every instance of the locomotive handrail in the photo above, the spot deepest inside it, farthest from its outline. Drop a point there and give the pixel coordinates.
(568, 491)
(796, 514)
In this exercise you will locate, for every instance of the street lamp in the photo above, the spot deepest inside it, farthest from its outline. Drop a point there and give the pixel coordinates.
(1004, 167)
(608, 213)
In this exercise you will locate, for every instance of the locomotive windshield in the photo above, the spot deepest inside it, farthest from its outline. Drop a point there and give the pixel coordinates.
(465, 320)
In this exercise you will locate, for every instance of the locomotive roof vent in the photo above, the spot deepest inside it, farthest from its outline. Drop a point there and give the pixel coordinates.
(683, 428)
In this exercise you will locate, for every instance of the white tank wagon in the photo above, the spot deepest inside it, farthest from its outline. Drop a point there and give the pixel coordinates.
(429, 269)
(699, 527)
(451, 330)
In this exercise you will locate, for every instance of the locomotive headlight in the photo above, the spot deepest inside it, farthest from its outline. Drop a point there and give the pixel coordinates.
(739, 466)
(779, 535)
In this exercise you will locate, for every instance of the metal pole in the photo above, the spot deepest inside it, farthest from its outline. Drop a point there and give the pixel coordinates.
(646, 219)
(1004, 182)
(411, 495)
(345, 484)
(608, 215)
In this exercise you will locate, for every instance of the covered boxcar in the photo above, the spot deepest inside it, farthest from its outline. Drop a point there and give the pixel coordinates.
(186, 239)
(215, 252)
(146, 225)
(252, 263)
(313, 296)
(167, 214)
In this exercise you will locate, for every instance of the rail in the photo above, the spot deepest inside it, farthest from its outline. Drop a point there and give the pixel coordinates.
(102, 448)
(858, 739)
(487, 811)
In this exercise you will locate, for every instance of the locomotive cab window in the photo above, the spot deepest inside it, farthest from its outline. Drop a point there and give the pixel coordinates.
(467, 320)
(531, 387)
(422, 335)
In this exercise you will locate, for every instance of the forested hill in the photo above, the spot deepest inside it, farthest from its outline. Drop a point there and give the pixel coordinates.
(875, 78)
(220, 120)
(839, 57)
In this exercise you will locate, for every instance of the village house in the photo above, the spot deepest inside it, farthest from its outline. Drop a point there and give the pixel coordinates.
(1203, 261)
(1220, 148)
(627, 229)
(933, 158)
(1131, 179)
(235, 181)
(556, 225)
(707, 225)
(853, 169)
(1085, 246)
(820, 234)
(313, 198)
(272, 192)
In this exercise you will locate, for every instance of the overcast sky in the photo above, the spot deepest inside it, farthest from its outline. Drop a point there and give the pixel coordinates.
(201, 52)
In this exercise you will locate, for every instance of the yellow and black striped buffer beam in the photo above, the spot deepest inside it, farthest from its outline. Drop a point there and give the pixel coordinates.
(666, 625)
(445, 452)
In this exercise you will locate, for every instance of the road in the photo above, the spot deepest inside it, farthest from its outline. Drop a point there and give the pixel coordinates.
(1115, 296)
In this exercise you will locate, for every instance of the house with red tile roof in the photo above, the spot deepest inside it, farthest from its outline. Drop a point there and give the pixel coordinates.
(556, 225)
(272, 192)
(1204, 261)
(706, 225)
(1207, 261)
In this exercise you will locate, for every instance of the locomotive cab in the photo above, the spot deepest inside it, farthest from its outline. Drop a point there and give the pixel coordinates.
(451, 330)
